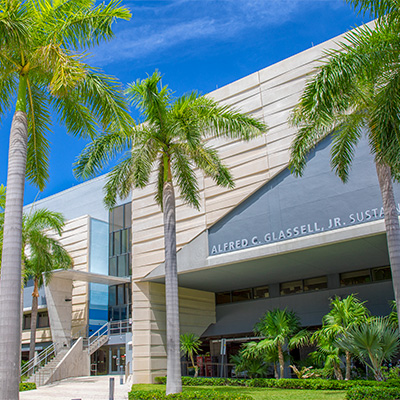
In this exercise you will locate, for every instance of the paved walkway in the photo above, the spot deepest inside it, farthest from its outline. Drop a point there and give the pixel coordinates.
(82, 388)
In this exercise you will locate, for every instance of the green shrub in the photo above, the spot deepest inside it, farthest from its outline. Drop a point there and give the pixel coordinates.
(311, 384)
(373, 393)
(204, 394)
(27, 386)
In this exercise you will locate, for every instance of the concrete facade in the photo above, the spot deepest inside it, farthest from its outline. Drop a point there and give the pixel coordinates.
(266, 200)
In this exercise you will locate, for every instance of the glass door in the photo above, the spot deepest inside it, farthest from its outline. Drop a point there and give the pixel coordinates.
(117, 360)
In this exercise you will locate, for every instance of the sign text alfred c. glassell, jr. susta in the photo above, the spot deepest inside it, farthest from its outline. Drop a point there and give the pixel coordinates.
(290, 232)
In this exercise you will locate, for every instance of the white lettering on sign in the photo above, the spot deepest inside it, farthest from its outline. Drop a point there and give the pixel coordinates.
(302, 230)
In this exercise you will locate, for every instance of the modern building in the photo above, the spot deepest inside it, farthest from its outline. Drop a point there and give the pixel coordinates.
(273, 241)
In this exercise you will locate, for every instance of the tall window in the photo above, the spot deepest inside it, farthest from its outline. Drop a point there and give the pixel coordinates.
(119, 298)
(120, 241)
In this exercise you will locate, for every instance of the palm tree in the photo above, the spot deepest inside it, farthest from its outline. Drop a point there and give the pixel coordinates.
(356, 92)
(327, 353)
(282, 331)
(171, 141)
(344, 314)
(42, 48)
(190, 345)
(373, 342)
(44, 255)
(264, 355)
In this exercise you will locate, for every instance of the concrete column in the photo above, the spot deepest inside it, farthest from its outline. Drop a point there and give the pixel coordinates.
(59, 304)
(149, 358)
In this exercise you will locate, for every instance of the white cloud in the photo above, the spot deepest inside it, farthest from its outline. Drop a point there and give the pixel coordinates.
(162, 25)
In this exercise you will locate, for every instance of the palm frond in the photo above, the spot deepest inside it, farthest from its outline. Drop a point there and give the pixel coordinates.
(8, 87)
(345, 140)
(186, 177)
(151, 98)
(220, 120)
(15, 24)
(39, 123)
(75, 115)
(43, 219)
(99, 152)
(2, 197)
(119, 182)
(374, 7)
(85, 26)
(102, 95)
(207, 159)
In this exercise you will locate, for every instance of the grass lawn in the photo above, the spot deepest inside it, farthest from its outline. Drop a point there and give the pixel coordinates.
(262, 393)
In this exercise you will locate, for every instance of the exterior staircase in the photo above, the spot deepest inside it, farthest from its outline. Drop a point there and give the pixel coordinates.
(53, 364)
(98, 339)
(44, 374)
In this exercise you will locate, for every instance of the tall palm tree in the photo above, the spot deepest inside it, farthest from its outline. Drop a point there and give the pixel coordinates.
(43, 255)
(356, 92)
(282, 331)
(344, 314)
(171, 141)
(42, 48)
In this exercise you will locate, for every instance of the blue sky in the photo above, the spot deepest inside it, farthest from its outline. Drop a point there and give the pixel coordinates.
(196, 45)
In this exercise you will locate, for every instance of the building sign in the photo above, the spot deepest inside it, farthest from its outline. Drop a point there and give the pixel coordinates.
(287, 207)
(299, 231)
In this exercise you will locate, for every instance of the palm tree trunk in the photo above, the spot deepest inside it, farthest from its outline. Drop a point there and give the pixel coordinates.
(10, 283)
(392, 227)
(276, 371)
(281, 361)
(34, 314)
(337, 372)
(348, 365)
(174, 379)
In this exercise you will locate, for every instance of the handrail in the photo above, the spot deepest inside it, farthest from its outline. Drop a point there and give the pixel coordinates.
(43, 356)
(119, 327)
(101, 332)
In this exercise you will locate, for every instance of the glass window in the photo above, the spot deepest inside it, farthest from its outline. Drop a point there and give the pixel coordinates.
(118, 218)
(291, 287)
(117, 242)
(122, 265)
(315, 283)
(355, 277)
(261, 292)
(43, 320)
(223, 297)
(120, 295)
(128, 215)
(125, 241)
(241, 295)
(111, 245)
(123, 313)
(27, 321)
(113, 266)
(112, 295)
(381, 274)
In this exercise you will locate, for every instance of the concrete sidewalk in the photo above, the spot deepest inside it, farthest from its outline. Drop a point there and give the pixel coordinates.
(82, 388)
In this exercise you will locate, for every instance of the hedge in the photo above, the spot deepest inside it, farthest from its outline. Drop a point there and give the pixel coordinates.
(373, 393)
(24, 386)
(204, 394)
(311, 384)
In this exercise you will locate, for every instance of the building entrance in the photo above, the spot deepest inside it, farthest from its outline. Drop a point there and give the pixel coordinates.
(108, 360)
(116, 358)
